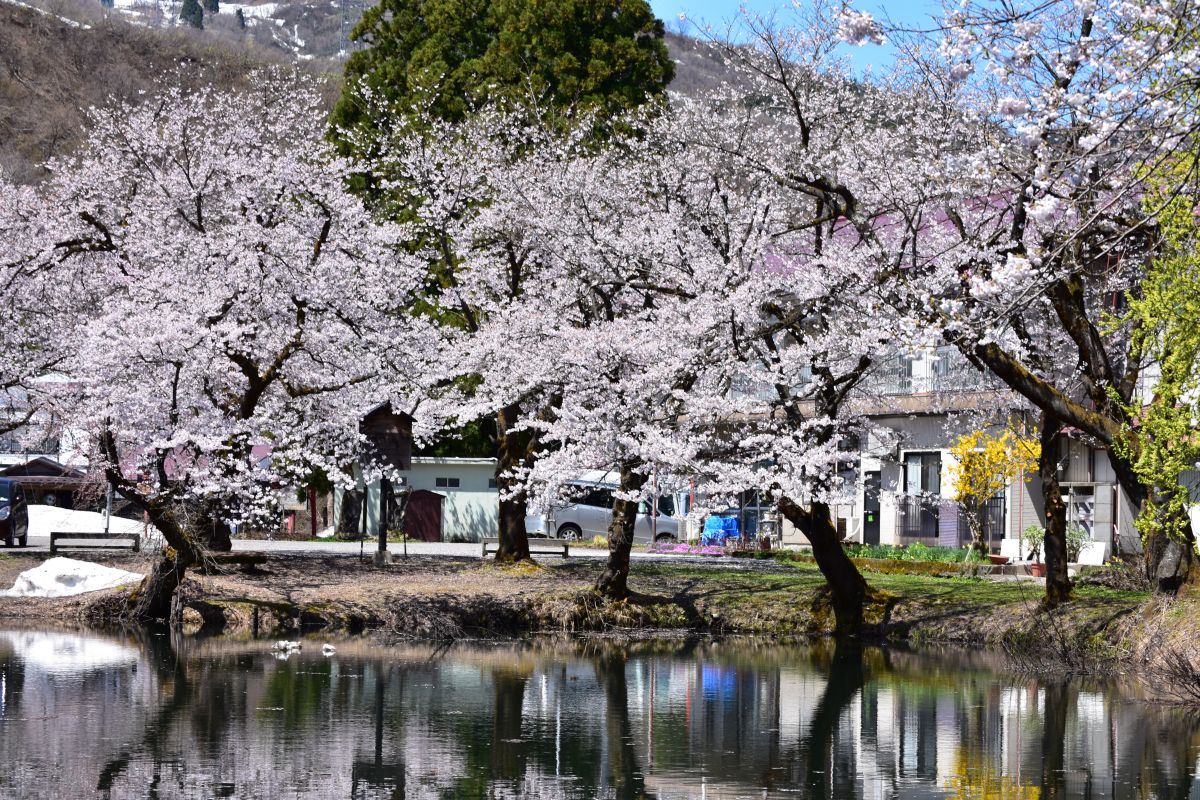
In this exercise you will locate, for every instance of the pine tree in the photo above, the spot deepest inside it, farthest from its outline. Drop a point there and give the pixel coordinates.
(192, 14)
(241, 19)
(577, 55)
(211, 6)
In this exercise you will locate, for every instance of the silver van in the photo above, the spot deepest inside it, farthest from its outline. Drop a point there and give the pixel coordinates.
(589, 516)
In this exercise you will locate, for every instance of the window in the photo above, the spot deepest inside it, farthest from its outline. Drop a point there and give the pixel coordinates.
(492, 483)
(597, 498)
(922, 473)
(446, 483)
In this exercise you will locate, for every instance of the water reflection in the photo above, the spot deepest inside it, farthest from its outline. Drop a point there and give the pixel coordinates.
(92, 716)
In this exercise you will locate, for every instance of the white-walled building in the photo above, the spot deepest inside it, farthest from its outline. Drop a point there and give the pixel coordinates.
(471, 508)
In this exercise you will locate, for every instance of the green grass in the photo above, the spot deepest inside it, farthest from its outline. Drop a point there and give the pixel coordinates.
(787, 601)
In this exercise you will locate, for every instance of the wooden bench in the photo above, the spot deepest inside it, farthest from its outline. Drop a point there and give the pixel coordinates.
(131, 540)
(537, 544)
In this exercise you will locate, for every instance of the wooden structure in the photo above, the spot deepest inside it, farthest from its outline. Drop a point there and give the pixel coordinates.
(390, 435)
(131, 540)
(539, 545)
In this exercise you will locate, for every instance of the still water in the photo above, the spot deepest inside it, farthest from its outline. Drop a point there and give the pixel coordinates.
(83, 715)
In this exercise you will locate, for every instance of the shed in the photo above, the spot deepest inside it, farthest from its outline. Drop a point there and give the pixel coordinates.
(46, 481)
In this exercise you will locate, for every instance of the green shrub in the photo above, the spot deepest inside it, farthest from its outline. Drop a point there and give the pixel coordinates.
(1032, 539)
(914, 552)
(1077, 537)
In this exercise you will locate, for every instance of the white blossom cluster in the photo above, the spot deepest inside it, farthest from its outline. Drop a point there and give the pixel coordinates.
(702, 291)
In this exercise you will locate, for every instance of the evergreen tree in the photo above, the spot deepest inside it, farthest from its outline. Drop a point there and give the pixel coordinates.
(192, 14)
(450, 56)
(211, 6)
(241, 19)
(577, 55)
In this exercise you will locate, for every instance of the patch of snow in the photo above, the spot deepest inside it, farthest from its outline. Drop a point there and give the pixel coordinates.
(262, 11)
(44, 12)
(64, 577)
(59, 653)
(46, 519)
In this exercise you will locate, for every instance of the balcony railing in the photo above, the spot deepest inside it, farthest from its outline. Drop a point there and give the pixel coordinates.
(917, 519)
(933, 520)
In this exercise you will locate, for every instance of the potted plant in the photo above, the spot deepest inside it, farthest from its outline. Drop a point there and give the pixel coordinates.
(1032, 539)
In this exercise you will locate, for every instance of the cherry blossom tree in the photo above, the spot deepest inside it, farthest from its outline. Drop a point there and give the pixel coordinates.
(1074, 107)
(221, 295)
(25, 337)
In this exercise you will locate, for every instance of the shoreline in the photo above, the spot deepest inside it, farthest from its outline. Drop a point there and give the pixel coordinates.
(447, 599)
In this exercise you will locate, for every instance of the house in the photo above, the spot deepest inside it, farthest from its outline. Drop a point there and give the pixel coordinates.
(469, 503)
(919, 404)
(47, 482)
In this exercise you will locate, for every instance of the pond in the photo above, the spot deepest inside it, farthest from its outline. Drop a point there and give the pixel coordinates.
(85, 715)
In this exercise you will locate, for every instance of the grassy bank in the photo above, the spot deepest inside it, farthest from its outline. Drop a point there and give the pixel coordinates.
(457, 599)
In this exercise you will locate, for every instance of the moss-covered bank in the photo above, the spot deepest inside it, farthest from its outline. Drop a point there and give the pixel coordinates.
(458, 599)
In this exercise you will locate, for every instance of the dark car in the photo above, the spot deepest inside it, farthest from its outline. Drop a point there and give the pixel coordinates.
(14, 514)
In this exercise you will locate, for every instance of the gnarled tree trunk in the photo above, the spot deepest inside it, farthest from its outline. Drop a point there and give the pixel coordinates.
(1171, 564)
(510, 451)
(973, 511)
(1054, 547)
(847, 587)
(614, 580)
(151, 603)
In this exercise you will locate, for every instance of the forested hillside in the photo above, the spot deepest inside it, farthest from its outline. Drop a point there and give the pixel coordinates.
(53, 66)
(58, 60)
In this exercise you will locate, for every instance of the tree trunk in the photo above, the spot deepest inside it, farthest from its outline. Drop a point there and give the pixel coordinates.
(151, 603)
(846, 585)
(614, 580)
(209, 528)
(1054, 547)
(514, 539)
(1168, 563)
(348, 522)
(974, 515)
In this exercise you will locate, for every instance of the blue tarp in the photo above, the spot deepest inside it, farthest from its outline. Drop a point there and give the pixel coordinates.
(718, 529)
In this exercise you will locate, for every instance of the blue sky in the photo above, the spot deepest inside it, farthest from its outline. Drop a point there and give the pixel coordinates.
(715, 12)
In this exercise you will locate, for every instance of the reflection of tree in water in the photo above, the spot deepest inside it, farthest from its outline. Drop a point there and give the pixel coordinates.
(976, 774)
(374, 777)
(846, 678)
(171, 670)
(496, 727)
(507, 751)
(12, 684)
(624, 776)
